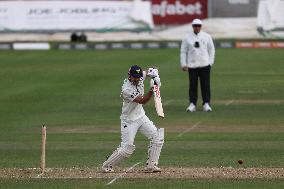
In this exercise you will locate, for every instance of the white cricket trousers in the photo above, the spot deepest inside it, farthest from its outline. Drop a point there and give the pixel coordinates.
(130, 128)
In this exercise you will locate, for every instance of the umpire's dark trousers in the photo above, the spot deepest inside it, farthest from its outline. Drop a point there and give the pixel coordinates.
(203, 74)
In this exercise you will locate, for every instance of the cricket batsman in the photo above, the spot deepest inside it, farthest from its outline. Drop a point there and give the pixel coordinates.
(133, 119)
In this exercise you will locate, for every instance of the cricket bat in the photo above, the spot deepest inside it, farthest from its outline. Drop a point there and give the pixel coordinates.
(158, 101)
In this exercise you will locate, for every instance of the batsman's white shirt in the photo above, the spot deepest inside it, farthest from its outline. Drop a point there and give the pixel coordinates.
(202, 56)
(133, 117)
(131, 111)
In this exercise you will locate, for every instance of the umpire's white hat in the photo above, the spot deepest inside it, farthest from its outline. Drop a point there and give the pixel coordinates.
(196, 22)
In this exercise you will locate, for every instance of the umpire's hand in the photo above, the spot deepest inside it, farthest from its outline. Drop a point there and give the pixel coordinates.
(184, 69)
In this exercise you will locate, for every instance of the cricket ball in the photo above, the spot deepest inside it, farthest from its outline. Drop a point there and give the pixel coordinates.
(240, 161)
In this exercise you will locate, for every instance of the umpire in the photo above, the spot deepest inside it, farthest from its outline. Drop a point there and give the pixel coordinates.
(197, 56)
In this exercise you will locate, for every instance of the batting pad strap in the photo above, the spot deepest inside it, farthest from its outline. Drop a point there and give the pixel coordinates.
(126, 150)
(159, 138)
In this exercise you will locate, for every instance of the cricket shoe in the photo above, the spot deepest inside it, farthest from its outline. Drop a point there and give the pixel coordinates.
(107, 169)
(153, 169)
(207, 108)
(191, 108)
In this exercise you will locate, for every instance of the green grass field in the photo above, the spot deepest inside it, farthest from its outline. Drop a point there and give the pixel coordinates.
(76, 94)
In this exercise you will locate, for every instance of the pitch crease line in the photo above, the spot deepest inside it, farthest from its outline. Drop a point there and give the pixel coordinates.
(168, 102)
(230, 102)
(189, 129)
(122, 174)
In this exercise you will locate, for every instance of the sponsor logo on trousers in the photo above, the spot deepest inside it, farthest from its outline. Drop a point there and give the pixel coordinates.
(163, 9)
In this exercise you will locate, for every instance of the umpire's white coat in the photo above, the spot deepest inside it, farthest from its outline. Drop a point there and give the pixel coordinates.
(193, 57)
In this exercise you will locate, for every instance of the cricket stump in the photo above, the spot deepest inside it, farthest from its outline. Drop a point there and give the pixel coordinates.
(43, 143)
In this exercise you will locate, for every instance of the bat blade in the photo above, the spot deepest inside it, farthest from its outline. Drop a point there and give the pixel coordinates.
(158, 101)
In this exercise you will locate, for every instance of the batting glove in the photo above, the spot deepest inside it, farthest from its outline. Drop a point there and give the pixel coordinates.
(156, 81)
(153, 72)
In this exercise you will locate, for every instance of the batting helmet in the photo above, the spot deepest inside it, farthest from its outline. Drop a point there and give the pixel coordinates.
(135, 71)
